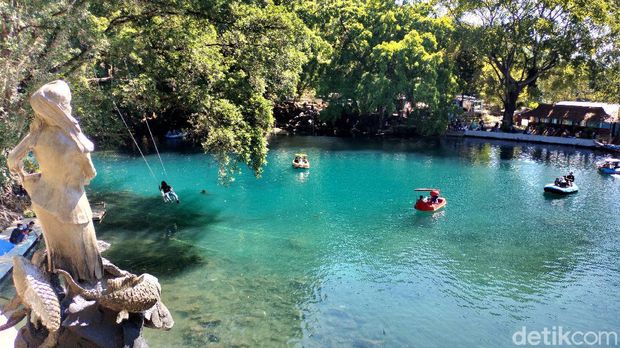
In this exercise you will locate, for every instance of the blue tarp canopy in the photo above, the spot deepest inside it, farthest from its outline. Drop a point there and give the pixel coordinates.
(5, 246)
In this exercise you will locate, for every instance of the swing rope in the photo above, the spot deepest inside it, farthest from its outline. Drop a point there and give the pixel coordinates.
(134, 140)
(150, 133)
(155, 144)
(128, 130)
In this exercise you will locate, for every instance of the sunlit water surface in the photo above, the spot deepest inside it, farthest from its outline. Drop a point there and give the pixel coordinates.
(336, 256)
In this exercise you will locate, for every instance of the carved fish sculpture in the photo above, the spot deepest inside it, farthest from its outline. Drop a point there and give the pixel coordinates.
(36, 294)
(34, 289)
(125, 294)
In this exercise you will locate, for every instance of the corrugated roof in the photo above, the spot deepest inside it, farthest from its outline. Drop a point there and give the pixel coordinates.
(611, 109)
(570, 112)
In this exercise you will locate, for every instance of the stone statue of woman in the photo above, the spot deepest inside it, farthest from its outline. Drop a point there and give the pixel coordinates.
(57, 192)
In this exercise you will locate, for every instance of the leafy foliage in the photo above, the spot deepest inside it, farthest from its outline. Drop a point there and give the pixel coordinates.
(215, 66)
(382, 52)
(39, 41)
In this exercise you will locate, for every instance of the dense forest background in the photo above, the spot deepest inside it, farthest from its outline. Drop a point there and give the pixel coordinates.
(219, 67)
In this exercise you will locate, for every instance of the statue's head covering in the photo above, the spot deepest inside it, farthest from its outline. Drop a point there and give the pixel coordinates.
(52, 103)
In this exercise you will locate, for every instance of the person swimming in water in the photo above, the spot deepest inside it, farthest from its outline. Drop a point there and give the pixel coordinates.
(168, 192)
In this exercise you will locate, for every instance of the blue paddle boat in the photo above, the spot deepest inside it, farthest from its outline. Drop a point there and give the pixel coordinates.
(609, 166)
(611, 147)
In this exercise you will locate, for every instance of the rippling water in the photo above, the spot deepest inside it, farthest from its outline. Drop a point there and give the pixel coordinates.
(336, 256)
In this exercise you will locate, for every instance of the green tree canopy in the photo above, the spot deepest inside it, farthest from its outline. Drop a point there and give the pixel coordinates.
(525, 40)
(381, 52)
(217, 66)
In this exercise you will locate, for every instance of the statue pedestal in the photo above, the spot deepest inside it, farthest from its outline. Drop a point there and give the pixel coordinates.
(90, 327)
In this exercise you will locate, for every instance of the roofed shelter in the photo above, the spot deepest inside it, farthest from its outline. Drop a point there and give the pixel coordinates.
(575, 116)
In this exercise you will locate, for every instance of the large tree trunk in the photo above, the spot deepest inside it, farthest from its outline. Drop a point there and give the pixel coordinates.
(510, 105)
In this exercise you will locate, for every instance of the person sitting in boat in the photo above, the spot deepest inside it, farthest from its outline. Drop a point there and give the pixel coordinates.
(567, 181)
(562, 182)
(570, 177)
(296, 160)
(167, 192)
(434, 197)
(557, 182)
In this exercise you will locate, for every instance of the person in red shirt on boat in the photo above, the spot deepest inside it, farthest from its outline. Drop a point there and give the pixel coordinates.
(434, 197)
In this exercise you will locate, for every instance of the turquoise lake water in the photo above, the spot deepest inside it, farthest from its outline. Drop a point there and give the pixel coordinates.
(336, 256)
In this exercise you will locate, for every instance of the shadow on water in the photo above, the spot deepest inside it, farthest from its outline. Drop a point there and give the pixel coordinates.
(550, 196)
(150, 236)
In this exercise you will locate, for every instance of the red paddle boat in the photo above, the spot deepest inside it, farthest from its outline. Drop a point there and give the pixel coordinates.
(432, 203)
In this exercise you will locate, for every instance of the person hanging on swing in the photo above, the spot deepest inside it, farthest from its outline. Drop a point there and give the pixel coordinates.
(167, 192)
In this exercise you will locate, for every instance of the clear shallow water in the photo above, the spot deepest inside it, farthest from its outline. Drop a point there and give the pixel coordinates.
(336, 256)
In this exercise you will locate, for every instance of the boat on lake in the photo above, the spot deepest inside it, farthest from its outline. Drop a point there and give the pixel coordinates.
(609, 166)
(432, 203)
(553, 188)
(301, 161)
(175, 134)
(610, 147)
